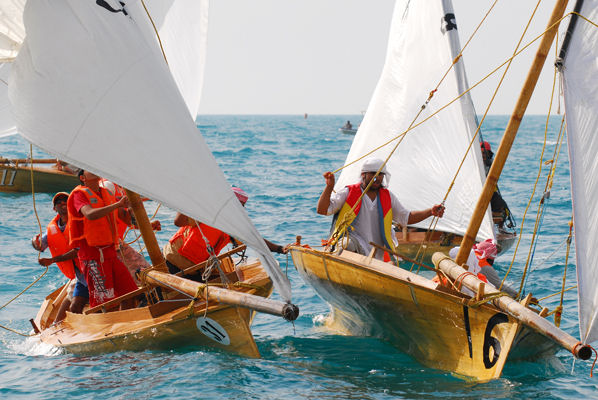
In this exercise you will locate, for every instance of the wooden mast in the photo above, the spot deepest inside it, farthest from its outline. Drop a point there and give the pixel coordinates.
(288, 311)
(510, 132)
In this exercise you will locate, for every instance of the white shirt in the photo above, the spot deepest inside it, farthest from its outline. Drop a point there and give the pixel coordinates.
(367, 222)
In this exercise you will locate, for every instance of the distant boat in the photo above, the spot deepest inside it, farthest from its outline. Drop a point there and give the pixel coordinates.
(15, 176)
(348, 131)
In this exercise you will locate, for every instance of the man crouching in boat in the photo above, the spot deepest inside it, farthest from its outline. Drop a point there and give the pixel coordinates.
(372, 218)
(480, 263)
(92, 213)
(187, 247)
(64, 255)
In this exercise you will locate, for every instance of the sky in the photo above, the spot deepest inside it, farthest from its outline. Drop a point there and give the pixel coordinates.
(325, 56)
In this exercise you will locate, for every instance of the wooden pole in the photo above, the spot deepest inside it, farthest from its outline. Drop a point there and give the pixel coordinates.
(27, 161)
(147, 233)
(513, 308)
(231, 297)
(509, 135)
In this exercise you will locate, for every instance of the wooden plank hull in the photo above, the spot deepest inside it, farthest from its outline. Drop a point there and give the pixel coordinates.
(373, 298)
(46, 180)
(162, 326)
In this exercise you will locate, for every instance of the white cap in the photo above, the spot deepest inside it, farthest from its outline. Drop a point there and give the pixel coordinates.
(373, 165)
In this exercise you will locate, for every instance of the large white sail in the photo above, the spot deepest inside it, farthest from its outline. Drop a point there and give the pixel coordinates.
(581, 98)
(181, 24)
(97, 94)
(422, 45)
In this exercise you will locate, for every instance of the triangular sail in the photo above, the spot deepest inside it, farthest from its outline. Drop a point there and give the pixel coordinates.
(581, 98)
(422, 45)
(97, 94)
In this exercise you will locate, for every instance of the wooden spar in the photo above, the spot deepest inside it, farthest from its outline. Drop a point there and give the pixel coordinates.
(513, 308)
(147, 233)
(509, 136)
(224, 296)
(231, 297)
(27, 161)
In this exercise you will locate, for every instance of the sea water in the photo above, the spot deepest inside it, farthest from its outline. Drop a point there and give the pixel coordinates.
(279, 161)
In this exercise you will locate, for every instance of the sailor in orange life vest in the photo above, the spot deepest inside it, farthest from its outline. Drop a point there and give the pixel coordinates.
(65, 256)
(93, 211)
(187, 246)
(372, 219)
(480, 261)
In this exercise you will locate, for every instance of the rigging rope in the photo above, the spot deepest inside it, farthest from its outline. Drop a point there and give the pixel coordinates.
(38, 253)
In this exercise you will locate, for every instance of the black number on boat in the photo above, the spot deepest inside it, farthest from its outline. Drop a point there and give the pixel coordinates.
(211, 329)
(492, 342)
(467, 329)
(104, 4)
(450, 22)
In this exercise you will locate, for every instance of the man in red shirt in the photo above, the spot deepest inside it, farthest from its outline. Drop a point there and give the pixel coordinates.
(92, 214)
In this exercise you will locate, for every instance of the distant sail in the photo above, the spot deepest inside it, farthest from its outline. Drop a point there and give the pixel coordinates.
(97, 94)
(581, 99)
(422, 45)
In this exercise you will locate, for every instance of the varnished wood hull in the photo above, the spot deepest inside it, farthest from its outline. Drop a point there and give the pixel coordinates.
(46, 180)
(162, 326)
(373, 298)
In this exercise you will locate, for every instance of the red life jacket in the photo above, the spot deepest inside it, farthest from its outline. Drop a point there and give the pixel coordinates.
(194, 246)
(58, 243)
(98, 232)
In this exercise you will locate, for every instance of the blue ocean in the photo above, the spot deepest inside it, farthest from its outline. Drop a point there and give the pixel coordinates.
(279, 161)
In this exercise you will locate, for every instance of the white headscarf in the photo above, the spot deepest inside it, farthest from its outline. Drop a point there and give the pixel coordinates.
(373, 165)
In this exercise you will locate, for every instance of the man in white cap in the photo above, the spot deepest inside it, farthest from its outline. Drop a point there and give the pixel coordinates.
(371, 219)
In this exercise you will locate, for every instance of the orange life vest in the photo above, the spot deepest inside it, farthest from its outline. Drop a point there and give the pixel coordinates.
(58, 243)
(194, 246)
(98, 232)
(384, 213)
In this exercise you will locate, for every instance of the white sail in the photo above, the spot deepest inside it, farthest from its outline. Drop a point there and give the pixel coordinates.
(12, 31)
(422, 45)
(97, 94)
(7, 123)
(183, 29)
(581, 97)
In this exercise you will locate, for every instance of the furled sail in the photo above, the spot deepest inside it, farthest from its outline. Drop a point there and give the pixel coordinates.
(97, 93)
(422, 45)
(580, 70)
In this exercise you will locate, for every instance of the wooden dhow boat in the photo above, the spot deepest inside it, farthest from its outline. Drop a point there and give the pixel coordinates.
(16, 175)
(473, 336)
(122, 105)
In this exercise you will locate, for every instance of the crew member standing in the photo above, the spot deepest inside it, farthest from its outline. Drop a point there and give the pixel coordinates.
(92, 212)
